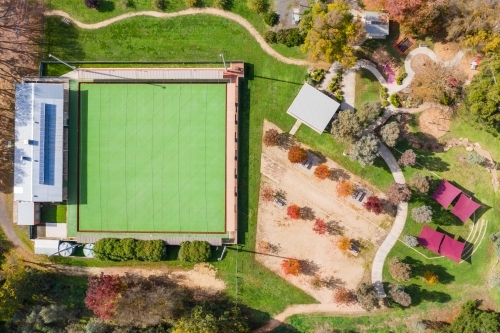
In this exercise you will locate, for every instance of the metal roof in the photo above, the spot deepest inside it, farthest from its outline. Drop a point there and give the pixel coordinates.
(26, 213)
(150, 74)
(46, 246)
(376, 24)
(313, 108)
(38, 156)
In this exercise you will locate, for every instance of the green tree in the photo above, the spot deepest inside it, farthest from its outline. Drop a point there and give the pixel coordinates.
(212, 318)
(22, 285)
(390, 133)
(258, 6)
(221, 4)
(331, 32)
(482, 96)
(364, 151)
(473, 320)
(474, 158)
(398, 294)
(419, 182)
(346, 126)
(368, 112)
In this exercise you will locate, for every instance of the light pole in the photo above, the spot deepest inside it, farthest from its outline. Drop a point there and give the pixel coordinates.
(223, 60)
(62, 62)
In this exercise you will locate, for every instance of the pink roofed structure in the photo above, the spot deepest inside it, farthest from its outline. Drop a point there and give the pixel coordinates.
(445, 193)
(464, 208)
(430, 239)
(451, 248)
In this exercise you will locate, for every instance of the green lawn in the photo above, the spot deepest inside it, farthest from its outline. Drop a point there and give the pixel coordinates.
(140, 171)
(111, 8)
(54, 213)
(367, 88)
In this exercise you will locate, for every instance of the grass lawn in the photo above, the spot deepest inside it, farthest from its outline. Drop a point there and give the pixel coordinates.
(54, 213)
(367, 88)
(111, 8)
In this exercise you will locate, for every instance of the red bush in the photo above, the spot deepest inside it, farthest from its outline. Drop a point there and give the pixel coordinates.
(322, 171)
(293, 212)
(320, 227)
(297, 155)
(271, 138)
(102, 293)
(291, 267)
(373, 204)
(267, 194)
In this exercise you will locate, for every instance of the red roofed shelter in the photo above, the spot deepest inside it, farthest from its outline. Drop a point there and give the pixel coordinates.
(430, 239)
(451, 248)
(464, 208)
(445, 193)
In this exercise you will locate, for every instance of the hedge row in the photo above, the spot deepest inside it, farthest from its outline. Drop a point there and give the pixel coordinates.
(130, 249)
(195, 251)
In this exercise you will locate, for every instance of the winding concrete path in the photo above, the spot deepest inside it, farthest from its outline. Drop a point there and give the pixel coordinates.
(192, 11)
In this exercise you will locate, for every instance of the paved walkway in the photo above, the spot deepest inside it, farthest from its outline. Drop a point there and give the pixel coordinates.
(295, 127)
(397, 227)
(192, 11)
(349, 89)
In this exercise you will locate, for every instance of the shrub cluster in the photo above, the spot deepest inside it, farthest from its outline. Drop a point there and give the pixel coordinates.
(315, 77)
(288, 37)
(383, 96)
(366, 296)
(410, 241)
(271, 18)
(159, 4)
(395, 100)
(399, 270)
(398, 294)
(422, 214)
(399, 79)
(195, 251)
(258, 6)
(474, 158)
(130, 249)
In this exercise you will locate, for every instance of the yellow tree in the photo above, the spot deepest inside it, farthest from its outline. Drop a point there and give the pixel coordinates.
(331, 33)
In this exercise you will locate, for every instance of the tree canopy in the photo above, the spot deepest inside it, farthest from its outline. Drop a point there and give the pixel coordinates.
(482, 96)
(331, 32)
(472, 319)
(419, 17)
(475, 24)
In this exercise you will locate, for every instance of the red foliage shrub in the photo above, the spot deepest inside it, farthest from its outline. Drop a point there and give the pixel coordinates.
(293, 212)
(267, 194)
(373, 204)
(343, 296)
(322, 171)
(102, 293)
(271, 138)
(297, 155)
(320, 227)
(291, 267)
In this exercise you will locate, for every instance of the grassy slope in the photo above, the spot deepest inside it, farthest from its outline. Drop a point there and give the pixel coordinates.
(367, 88)
(111, 9)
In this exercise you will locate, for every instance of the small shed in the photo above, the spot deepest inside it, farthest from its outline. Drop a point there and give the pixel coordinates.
(28, 213)
(313, 108)
(376, 25)
(46, 246)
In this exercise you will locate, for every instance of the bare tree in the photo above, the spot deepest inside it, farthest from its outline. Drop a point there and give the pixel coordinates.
(436, 83)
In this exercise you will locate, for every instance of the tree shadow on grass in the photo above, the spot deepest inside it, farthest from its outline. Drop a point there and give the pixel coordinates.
(255, 318)
(418, 268)
(419, 295)
(105, 6)
(62, 40)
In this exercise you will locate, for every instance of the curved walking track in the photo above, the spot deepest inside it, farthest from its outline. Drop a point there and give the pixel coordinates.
(384, 152)
(192, 11)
